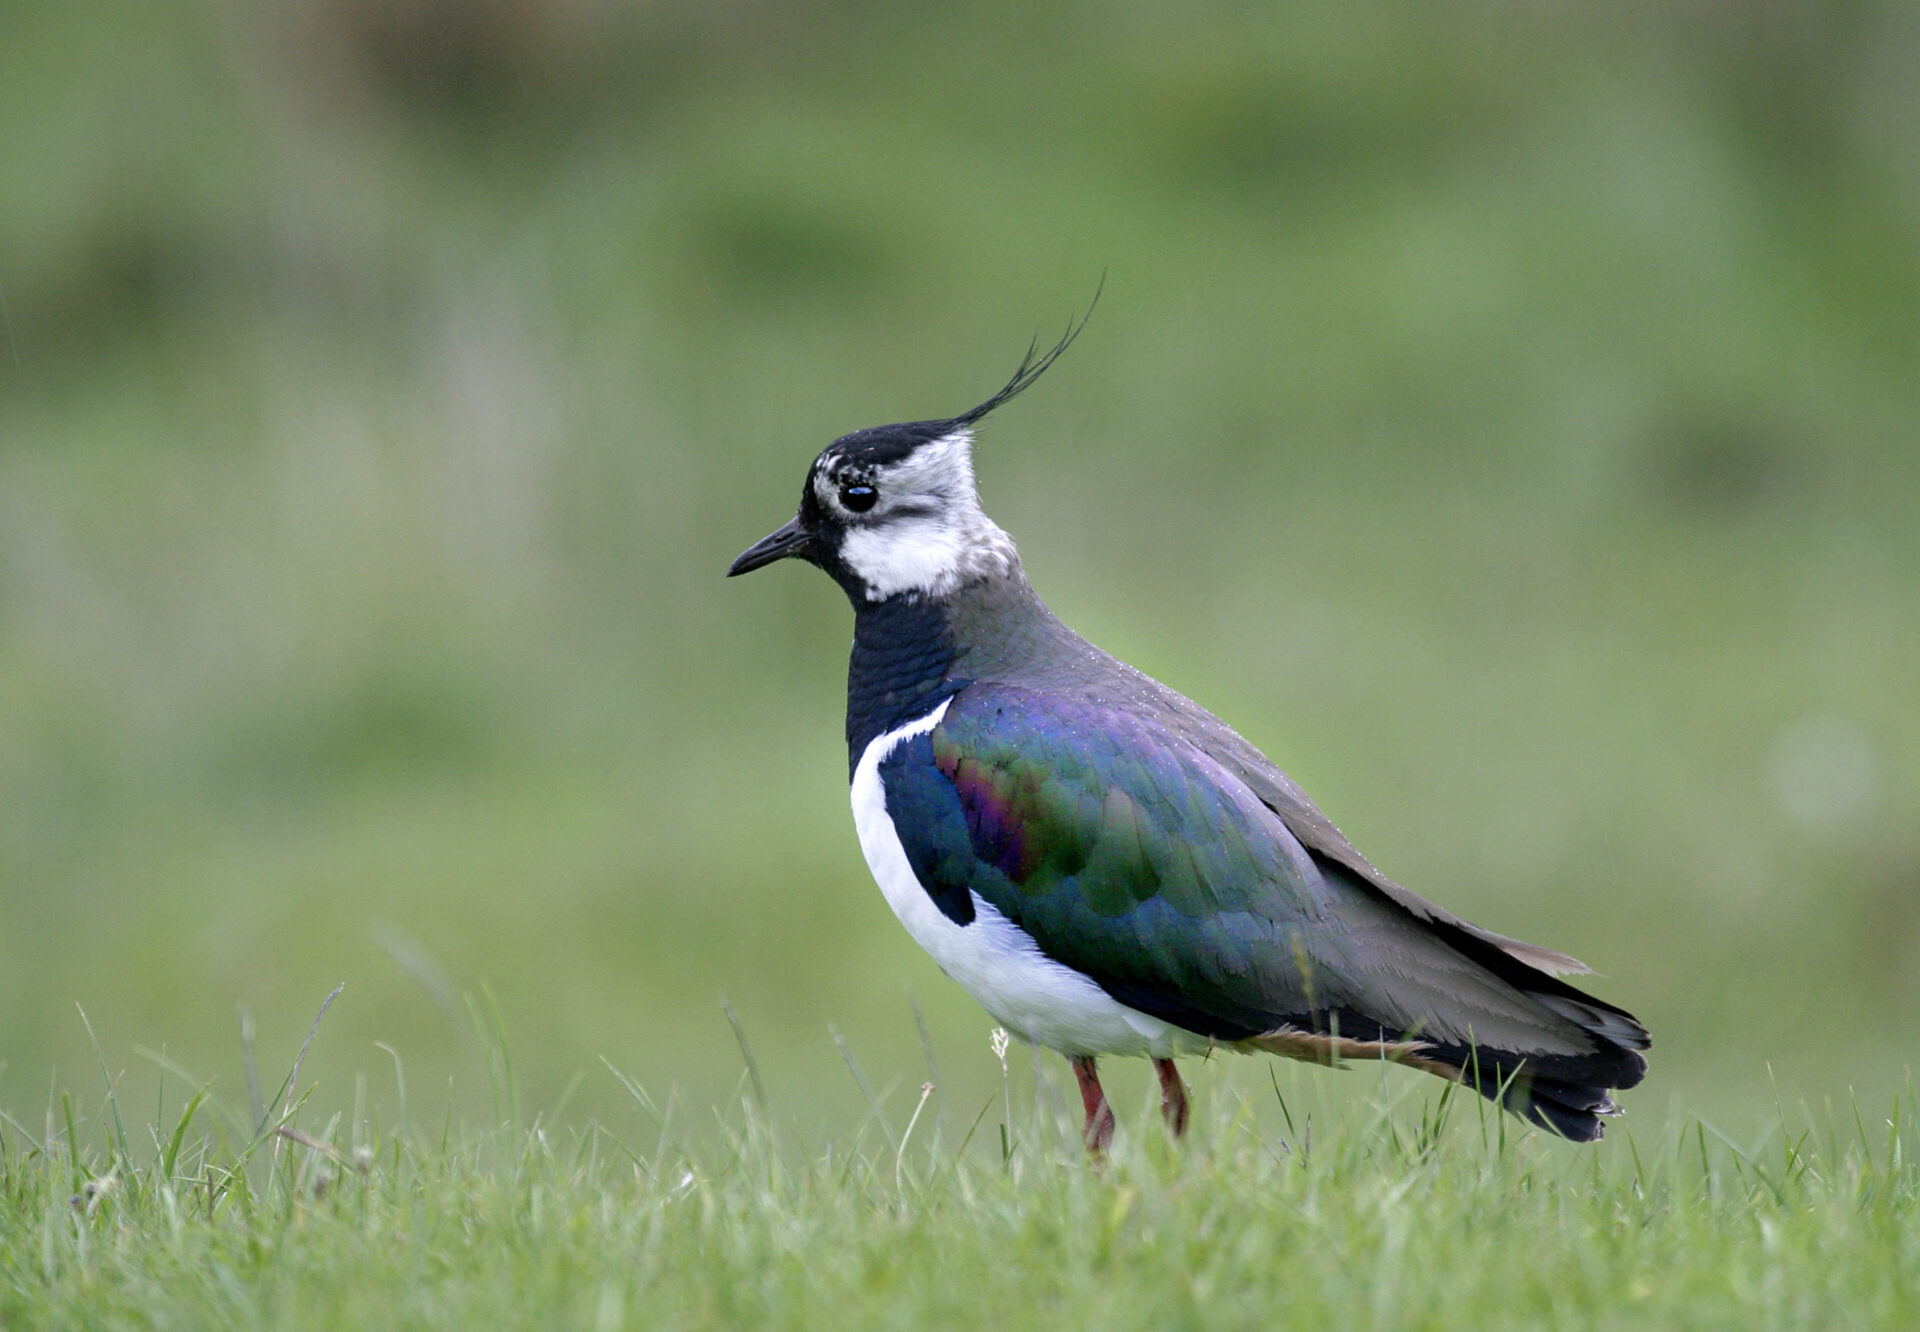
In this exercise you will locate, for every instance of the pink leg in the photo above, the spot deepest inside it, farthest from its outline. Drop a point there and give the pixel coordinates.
(1099, 1130)
(1173, 1096)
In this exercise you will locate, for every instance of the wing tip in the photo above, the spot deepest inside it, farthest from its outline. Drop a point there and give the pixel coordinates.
(1540, 959)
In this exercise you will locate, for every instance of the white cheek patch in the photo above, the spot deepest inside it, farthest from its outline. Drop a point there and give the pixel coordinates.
(906, 555)
(928, 535)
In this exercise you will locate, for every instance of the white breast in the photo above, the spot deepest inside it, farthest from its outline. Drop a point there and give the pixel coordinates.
(993, 959)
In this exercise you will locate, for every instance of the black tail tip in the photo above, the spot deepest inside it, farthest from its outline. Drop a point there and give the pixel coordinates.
(1571, 1104)
(1580, 1121)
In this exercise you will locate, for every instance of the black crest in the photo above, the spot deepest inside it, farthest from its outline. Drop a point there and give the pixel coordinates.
(858, 453)
(1034, 364)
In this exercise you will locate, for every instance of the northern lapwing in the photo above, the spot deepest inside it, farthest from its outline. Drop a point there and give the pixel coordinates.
(1107, 867)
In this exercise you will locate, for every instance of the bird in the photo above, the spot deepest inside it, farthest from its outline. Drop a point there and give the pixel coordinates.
(1111, 870)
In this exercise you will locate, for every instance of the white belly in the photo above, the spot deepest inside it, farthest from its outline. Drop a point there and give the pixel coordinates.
(993, 959)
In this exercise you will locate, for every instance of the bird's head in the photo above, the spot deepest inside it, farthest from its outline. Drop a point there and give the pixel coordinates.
(892, 510)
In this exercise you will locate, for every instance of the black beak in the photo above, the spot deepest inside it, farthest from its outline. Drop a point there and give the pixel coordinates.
(792, 539)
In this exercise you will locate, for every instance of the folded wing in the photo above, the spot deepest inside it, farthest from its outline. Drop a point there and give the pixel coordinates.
(1167, 876)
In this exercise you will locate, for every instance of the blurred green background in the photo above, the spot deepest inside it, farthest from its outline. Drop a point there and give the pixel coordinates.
(1506, 416)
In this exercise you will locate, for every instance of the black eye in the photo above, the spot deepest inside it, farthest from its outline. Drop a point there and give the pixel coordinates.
(858, 498)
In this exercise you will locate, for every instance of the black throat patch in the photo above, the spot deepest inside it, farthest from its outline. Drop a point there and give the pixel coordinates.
(900, 669)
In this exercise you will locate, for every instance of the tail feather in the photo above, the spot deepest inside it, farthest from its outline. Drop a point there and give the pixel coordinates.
(1587, 1047)
(1568, 1095)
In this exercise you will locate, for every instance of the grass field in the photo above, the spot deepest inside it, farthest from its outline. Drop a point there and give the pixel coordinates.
(1409, 1207)
(1504, 416)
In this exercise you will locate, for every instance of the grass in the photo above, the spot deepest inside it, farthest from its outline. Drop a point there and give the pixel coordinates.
(1507, 426)
(1413, 1208)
